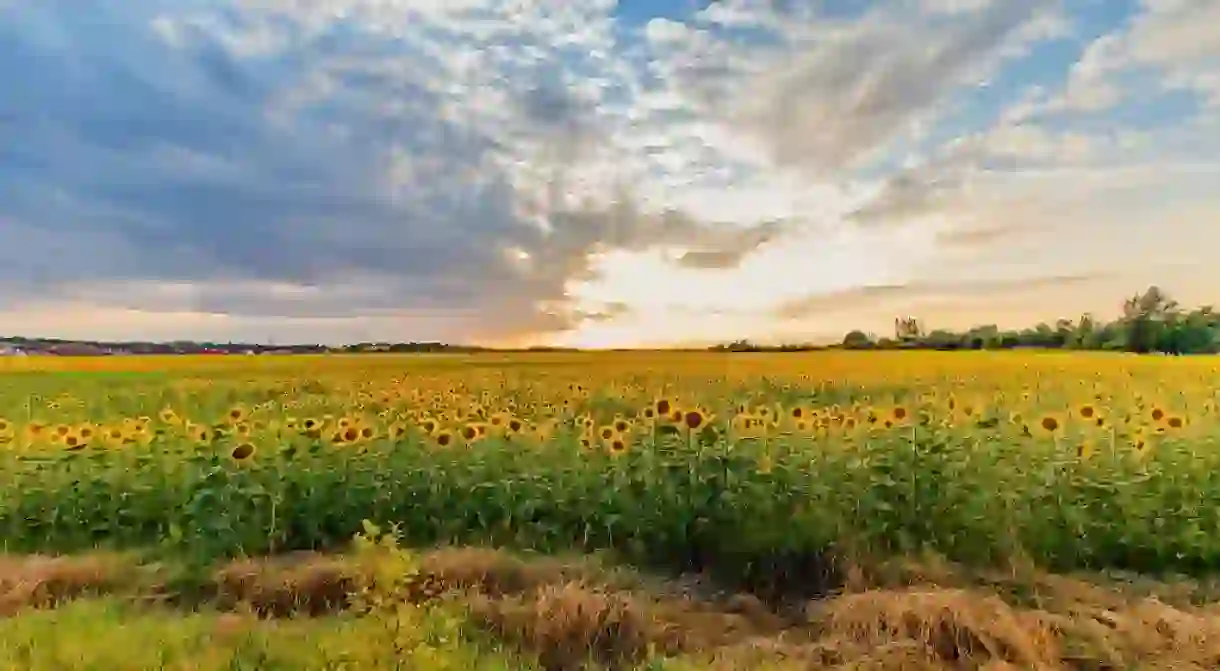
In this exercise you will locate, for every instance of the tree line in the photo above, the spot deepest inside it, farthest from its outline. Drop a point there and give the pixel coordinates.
(1150, 322)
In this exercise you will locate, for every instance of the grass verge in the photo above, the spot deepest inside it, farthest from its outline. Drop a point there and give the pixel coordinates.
(471, 608)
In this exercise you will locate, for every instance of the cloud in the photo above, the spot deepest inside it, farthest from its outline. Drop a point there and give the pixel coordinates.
(479, 170)
(733, 249)
(961, 183)
(1175, 41)
(300, 161)
(872, 296)
(832, 98)
(979, 236)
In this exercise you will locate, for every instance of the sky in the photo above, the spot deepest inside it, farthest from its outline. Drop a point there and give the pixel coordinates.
(599, 173)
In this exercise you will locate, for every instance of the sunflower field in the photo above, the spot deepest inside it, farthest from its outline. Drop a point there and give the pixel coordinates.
(743, 465)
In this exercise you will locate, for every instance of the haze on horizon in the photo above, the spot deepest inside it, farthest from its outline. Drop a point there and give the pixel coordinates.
(599, 173)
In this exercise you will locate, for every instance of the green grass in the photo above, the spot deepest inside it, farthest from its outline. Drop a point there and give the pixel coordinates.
(97, 634)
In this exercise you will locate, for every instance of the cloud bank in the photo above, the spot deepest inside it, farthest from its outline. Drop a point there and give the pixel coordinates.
(538, 171)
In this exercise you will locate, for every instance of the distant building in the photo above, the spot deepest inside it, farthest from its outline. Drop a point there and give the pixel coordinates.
(9, 350)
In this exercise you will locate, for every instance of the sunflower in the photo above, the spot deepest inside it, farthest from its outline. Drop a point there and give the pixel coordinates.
(312, 427)
(1049, 424)
(429, 425)
(113, 434)
(617, 446)
(899, 414)
(243, 452)
(498, 423)
(443, 438)
(72, 441)
(35, 431)
(236, 414)
(1086, 412)
(201, 434)
(694, 419)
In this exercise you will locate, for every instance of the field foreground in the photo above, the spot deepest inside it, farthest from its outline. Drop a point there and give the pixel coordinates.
(794, 482)
(383, 607)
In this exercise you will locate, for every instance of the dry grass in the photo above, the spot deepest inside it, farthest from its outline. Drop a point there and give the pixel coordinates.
(964, 627)
(916, 615)
(300, 583)
(40, 581)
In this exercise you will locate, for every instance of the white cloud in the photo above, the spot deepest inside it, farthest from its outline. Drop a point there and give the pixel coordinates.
(955, 6)
(662, 30)
(833, 96)
(1028, 141)
(1177, 39)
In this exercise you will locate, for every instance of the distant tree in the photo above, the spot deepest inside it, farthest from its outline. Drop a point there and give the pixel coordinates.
(1150, 322)
(857, 340)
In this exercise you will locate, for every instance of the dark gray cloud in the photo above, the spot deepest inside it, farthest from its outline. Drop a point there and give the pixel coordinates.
(237, 155)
